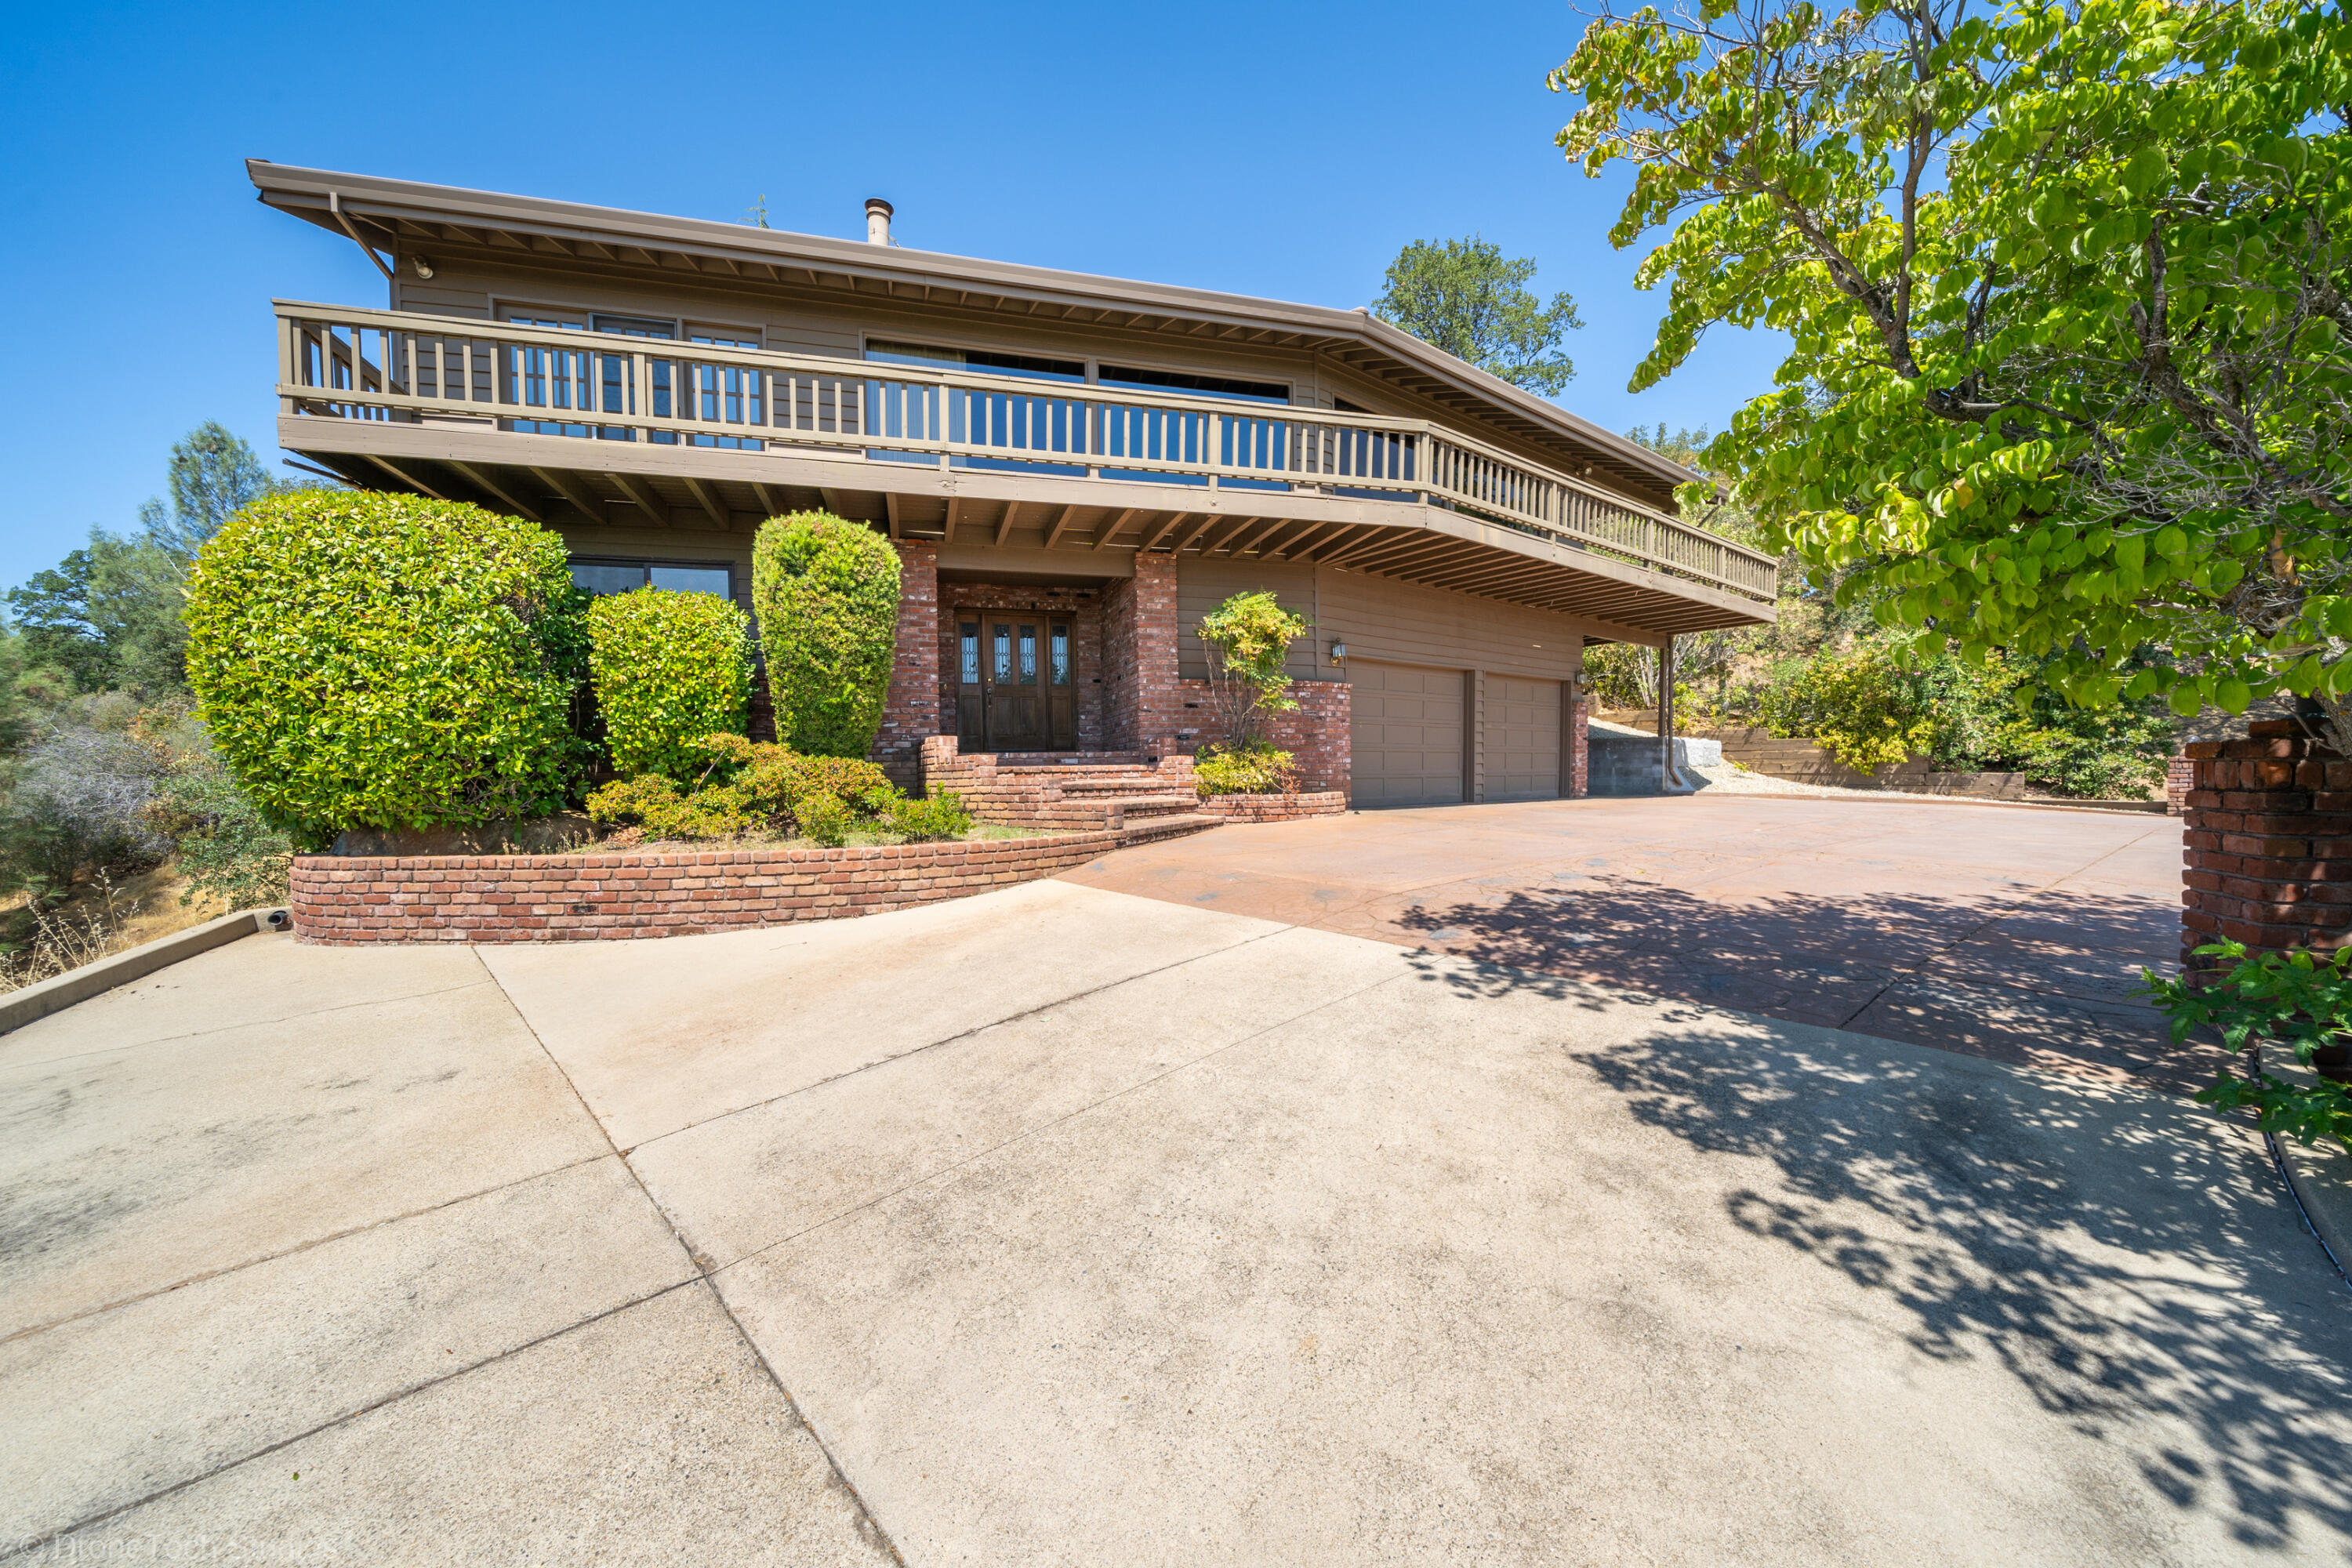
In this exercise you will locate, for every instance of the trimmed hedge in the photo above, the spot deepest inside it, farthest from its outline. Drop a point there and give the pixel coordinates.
(669, 667)
(826, 591)
(370, 661)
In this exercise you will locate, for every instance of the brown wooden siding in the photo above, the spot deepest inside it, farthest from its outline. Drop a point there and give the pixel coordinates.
(1203, 585)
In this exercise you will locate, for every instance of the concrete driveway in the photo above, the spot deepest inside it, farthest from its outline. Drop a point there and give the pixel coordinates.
(1064, 1226)
(2008, 932)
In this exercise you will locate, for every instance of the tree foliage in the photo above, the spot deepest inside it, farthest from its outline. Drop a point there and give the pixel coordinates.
(669, 668)
(2067, 295)
(1466, 297)
(369, 660)
(826, 593)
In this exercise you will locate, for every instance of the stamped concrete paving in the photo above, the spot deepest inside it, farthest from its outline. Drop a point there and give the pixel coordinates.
(1064, 1227)
(2003, 932)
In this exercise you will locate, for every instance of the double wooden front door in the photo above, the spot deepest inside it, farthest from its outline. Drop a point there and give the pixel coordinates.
(1015, 682)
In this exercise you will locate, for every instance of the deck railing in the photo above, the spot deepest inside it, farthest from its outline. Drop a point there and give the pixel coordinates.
(350, 363)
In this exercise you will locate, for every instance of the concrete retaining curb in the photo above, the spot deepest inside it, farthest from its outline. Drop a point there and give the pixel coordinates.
(2320, 1173)
(57, 994)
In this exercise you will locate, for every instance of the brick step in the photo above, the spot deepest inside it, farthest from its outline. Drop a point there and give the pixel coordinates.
(1167, 803)
(1150, 829)
(1094, 789)
(1073, 759)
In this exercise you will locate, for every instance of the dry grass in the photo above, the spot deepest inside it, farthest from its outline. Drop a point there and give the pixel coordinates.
(100, 918)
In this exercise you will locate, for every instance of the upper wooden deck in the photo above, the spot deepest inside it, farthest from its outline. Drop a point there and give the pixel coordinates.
(584, 428)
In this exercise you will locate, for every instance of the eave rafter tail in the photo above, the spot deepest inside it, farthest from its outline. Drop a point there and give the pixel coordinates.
(638, 491)
(1110, 530)
(569, 486)
(483, 482)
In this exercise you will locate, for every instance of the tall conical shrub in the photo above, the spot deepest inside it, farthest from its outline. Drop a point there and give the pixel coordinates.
(826, 594)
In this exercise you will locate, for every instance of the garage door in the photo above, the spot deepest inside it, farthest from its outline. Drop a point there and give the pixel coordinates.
(1522, 739)
(1407, 736)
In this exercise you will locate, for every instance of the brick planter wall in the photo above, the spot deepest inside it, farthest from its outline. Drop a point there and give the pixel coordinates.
(341, 902)
(2269, 843)
(1274, 807)
(1317, 735)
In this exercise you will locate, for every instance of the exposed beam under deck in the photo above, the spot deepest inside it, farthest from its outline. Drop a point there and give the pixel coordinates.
(1403, 540)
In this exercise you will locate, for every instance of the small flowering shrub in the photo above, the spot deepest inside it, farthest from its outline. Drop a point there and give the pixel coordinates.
(743, 787)
(1257, 768)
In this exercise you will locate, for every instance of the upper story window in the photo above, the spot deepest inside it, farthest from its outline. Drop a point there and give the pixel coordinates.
(1191, 385)
(986, 361)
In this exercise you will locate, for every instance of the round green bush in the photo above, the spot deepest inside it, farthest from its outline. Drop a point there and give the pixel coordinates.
(372, 660)
(669, 667)
(826, 591)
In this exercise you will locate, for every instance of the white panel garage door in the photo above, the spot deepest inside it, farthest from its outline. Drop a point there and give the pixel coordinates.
(1522, 739)
(1406, 747)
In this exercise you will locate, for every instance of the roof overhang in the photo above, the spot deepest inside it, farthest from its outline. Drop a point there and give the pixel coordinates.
(400, 217)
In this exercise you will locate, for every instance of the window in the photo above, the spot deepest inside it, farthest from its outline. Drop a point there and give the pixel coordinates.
(1194, 386)
(620, 391)
(551, 379)
(624, 576)
(1048, 424)
(984, 360)
(969, 632)
(1061, 657)
(725, 391)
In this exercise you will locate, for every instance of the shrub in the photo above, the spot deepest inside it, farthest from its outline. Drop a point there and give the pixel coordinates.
(79, 805)
(668, 667)
(1248, 640)
(744, 787)
(2301, 999)
(372, 660)
(224, 849)
(940, 816)
(1255, 768)
(826, 592)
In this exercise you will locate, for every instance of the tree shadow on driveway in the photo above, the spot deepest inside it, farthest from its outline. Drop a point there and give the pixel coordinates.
(2130, 1260)
(2043, 980)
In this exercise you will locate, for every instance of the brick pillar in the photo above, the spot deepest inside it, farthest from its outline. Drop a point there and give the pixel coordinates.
(912, 710)
(1580, 770)
(2180, 778)
(2269, 852)
(1141, 707)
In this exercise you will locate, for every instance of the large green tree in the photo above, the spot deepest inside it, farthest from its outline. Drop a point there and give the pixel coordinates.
(109, 615)
(1466, 297)
(2067, 297)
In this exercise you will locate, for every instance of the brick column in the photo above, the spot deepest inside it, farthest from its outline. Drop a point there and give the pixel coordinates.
(912, 710)
(1140, 701)
(2269, 852)
(1579, 779)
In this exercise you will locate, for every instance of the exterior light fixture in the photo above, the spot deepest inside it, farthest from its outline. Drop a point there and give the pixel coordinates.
(1338, 652)
(423, 268)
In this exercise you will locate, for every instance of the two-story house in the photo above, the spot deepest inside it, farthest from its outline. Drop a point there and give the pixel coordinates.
(1072, 469)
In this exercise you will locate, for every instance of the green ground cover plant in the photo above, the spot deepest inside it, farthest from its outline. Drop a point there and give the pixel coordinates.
(669, 668)
(826, 594)
(369, 660)
(745, 788)
(2301, 1001)
(1255, 767)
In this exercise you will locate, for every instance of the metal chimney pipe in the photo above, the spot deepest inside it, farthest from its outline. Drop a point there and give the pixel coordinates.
(878, 221)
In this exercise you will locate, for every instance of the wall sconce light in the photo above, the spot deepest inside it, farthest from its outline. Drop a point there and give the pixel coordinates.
(423, 268)
(1338, 652)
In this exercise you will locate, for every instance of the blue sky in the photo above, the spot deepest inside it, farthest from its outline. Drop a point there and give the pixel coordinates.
(1286, 150)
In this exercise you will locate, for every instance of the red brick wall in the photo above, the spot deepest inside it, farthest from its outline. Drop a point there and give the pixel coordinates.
(2269, 843)
(1580, 749)
(1139, 699)
(911, 710)
(343, 901)
(1317, 735)
(1274, 808)
(1082, 608)
(2180, 778)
